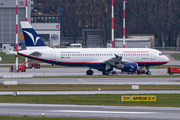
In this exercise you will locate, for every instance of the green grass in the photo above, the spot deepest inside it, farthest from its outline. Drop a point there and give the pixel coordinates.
(10, 58)
(163, 100)
(48, 118)
(176, 56)
(28, 87)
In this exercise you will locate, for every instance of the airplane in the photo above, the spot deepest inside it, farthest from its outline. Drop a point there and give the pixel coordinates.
(0, 59)
(102, 59)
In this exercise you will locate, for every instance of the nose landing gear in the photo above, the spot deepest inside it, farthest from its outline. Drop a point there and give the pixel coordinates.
(147, 70)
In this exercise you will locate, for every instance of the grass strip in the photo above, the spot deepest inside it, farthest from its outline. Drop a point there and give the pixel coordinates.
(176, 56)
(57, 87)
(10, 58)
(49, 118)
(163, 100)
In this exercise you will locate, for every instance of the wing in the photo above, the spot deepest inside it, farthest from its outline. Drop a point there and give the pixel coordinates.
(115, 60)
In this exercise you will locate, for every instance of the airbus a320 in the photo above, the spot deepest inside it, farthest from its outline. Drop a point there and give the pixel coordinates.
(102, 59)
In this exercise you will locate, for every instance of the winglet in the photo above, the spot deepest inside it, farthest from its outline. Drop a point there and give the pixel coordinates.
(116, 55)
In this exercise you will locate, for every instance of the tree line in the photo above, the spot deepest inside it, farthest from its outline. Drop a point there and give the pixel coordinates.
(158, 17)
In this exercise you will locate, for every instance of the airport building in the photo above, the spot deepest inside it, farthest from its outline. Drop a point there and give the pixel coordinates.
(47, 26)
(132, 43)
(136, 41)
(8, 20)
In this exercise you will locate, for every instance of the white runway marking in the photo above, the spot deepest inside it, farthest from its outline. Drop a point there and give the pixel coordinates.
(110, 112)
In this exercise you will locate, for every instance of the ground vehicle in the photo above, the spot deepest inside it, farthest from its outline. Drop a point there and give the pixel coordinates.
(75, 45)
(173, 70)
(36, 65)
(141, 71)
(31, 65)
(21, 68)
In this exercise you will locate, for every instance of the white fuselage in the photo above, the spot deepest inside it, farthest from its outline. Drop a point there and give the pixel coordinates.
(80, 56)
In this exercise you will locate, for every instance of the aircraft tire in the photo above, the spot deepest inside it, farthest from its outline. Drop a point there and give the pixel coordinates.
(89, 72)
(105, 72)
(148, 73)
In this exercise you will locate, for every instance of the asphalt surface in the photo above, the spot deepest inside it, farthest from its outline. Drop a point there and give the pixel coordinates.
(70, 72)
(90, 111)
(100, 81)
(90, 92)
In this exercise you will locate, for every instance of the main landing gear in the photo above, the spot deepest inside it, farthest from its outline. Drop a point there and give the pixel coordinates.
(89, 72)
(105, 72)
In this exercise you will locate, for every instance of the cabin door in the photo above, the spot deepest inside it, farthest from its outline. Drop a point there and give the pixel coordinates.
(53, 55)
(152, 57)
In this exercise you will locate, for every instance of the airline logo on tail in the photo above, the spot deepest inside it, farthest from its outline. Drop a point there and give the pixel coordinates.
(32, 38)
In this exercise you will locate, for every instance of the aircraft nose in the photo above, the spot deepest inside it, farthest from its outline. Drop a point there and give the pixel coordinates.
(166, 58)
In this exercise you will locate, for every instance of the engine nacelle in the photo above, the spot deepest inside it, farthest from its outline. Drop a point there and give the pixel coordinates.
(130, 67)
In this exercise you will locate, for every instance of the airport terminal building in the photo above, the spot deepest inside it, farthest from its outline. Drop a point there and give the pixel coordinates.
(47, 26)
(8, 20)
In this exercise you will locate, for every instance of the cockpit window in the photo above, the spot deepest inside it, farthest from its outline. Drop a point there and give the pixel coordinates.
(160, 54)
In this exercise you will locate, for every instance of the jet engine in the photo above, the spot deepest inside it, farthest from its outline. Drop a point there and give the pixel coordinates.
(128, 67)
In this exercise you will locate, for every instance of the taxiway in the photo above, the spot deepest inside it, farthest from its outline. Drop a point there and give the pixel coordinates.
(98, 81)
(90, 111)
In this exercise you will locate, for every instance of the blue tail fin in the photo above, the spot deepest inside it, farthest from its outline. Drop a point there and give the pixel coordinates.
(30, 36)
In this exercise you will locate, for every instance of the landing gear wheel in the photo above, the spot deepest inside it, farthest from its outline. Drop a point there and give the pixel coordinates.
(148, 73)
(105, 72)
(138, 72)
(89, 72)
(114, 73)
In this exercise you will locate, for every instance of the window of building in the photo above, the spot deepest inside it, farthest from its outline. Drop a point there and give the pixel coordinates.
(57, 20)
(34, 20)
(42, 19)
(53, 19)
(46, 19)
(49, 19)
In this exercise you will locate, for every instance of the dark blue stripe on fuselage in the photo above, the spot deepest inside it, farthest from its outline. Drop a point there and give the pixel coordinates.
(150, 64)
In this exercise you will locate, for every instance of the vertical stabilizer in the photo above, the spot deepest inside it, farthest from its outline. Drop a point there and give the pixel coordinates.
(31, 38)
